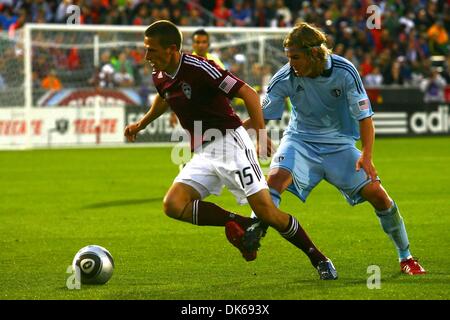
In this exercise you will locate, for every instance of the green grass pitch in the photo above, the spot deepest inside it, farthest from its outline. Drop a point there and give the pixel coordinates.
(53, 202)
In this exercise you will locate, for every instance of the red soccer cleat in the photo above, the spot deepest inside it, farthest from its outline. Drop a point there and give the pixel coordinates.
(412, 267)
(235, 233)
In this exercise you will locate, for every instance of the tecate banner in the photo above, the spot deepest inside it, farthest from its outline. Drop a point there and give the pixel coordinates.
(61, 126)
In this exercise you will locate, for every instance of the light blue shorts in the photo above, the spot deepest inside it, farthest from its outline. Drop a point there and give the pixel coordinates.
(310, 162)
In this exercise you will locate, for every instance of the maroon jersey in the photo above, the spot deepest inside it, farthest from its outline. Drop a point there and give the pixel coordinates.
(200, 91)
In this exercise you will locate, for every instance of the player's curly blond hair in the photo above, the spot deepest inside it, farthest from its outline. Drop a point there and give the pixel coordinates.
(312, 41)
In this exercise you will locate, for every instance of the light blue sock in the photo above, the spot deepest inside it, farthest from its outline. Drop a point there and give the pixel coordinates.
(392, 223)
(276, 198)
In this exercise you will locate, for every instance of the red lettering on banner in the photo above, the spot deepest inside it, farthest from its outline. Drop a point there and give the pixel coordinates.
(19, 127)
(12, 127)
(108, 125)
(90, 126)
(113, 125)
(4, 127)
(36, 127)
(87, 126)
(104, 125)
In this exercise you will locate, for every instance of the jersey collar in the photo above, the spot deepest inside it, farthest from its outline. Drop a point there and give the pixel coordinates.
(178, 68)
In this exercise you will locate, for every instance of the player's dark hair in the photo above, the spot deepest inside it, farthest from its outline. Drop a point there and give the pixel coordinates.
(166, 32)
(200, 32)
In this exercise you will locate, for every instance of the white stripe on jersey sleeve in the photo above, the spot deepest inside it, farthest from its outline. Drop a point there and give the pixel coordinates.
(202, 67)
(207, 65)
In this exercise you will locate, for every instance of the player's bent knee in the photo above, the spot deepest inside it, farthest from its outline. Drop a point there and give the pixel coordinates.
(377, 196)
(379, 193)
(173, 207)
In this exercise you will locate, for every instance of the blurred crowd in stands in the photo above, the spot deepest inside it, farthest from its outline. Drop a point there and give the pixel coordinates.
(410, 49)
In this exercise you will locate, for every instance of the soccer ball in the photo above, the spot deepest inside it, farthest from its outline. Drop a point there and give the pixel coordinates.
(94, 264)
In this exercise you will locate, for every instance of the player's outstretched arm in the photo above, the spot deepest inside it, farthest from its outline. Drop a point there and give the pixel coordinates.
(367, 133)
(158, 107)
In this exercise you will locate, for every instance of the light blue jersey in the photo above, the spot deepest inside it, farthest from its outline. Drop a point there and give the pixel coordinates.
(325, 109)
(319, 142)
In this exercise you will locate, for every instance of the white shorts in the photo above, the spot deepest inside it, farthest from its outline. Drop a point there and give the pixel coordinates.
(229, 161)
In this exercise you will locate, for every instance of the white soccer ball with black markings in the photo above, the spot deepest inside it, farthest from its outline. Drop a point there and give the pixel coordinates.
(94, 264)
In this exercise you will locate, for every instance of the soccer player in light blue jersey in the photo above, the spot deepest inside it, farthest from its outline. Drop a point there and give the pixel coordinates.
(330, 112)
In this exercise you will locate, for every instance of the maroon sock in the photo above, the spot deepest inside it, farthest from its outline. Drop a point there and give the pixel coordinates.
(297, 236)
(209, 214)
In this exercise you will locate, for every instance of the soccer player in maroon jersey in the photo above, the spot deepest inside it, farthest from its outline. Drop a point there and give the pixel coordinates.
(198, 91)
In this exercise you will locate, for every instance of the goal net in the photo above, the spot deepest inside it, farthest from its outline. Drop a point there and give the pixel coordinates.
(81, 85)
